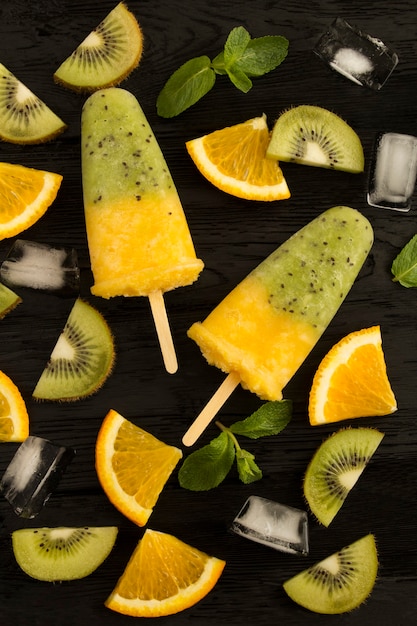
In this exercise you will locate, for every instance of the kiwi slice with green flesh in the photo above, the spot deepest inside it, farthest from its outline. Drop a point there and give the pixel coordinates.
(24, 118)
(311, 135)
(8, 300)
(82, 358)
(339, 583)
(62, 553)
(106, 56)
(336, 467)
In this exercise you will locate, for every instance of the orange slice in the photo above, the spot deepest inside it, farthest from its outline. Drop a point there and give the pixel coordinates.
(234, 160)
(25, 195)
(132, 466)
(14, 419)
(164, 576)
(351, 381)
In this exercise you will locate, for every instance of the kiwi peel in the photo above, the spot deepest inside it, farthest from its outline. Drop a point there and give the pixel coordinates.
(312, 135)
(106, 56)
(336, 467)
(24, 118)
(62, 553)
(82, 359)
(339, 583)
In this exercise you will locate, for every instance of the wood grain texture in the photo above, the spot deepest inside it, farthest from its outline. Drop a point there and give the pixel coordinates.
(231, 236)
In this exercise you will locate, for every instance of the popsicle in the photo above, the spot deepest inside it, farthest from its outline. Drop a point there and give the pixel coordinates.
(138, 237)
(263, 330)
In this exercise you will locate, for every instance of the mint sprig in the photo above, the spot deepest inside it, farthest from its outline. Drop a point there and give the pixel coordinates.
(207, 467)
(404, 266)
(241, 59)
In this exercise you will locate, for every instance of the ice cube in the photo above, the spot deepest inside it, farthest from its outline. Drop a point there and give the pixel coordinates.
(275, 525)
(33, 474)
(362, 58)
(40, 266)
(393, 171)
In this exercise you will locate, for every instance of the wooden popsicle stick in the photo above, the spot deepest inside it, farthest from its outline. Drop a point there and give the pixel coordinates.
(156, 300)
(212, 407)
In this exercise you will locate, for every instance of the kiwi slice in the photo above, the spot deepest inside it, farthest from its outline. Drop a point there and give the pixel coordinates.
(336, 467)
(339, 583)
(311, 135)
(106, 56)
(82, 358)
(8, 300)
(24, 118)
(62, 553)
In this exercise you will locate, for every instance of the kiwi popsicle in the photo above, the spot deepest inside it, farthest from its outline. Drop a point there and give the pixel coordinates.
(263, 330)
(138, 237)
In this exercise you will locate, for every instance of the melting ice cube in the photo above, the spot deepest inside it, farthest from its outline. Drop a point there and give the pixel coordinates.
(360, 57)
(275, 525)
(393, 171)
(41, 266)
(33, 474)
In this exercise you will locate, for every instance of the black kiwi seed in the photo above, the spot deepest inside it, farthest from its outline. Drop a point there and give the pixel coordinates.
(73, 542)
(328, 146)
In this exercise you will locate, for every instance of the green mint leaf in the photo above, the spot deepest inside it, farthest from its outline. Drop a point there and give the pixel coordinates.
(247, 469)
(207, 467)
(270, 419)
(235, 46)
(239, 79)
(186, 86)
(404, 266)
(241, 58)
(218, 64)
(262, 55)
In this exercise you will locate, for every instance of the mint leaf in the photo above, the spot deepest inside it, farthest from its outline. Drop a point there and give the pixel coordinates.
(208, 467)
(186, 86)
(239, 79)
(404, 266)
(247, 469)
(262, 55)
(241, 59)
(270, 419)
(235, 46)
(218, 64)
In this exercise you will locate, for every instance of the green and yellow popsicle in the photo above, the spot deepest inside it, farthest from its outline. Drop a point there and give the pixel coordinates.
(138, 236)
(265, 327)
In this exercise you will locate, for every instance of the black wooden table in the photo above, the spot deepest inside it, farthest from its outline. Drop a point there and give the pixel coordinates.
(231, 236)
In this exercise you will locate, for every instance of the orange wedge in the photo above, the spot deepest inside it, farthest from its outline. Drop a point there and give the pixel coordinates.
(14, 419)
(234, 160)
(164, 576)
(25, 195)
(351, 381)
(132, 466)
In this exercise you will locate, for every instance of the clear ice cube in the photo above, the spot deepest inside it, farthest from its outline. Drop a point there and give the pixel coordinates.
(273, 524)
(362, 58)
(40, 266)
(393, 171)
(33, 474)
